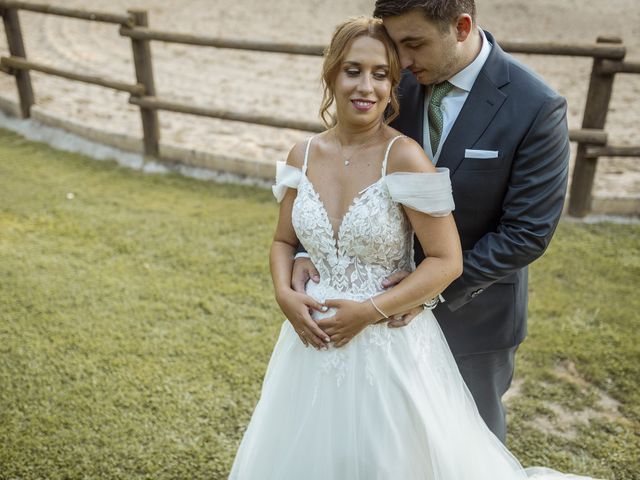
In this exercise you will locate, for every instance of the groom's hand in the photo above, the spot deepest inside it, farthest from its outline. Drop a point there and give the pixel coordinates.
(402, 320)
(303, 270)
(394, 279)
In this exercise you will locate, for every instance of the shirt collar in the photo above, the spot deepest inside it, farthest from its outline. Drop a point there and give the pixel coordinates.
(466, 77)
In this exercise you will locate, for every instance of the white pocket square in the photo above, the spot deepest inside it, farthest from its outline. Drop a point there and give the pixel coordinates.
(468, 153)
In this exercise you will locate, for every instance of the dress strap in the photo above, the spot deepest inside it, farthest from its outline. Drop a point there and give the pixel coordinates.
(386, 154)
(306, 155)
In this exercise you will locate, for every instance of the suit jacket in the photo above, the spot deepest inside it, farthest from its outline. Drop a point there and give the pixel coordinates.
(507, 207)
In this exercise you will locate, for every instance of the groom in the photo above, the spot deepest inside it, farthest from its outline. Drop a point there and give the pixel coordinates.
(502, 133)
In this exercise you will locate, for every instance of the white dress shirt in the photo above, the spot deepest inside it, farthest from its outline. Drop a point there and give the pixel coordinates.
(452, 104)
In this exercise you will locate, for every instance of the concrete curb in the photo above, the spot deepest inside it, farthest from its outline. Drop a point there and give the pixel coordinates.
(201, 164)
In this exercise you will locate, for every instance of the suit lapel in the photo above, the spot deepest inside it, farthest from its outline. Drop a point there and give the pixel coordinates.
(483, 102)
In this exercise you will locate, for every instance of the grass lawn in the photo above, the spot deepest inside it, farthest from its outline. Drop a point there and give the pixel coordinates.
(137, 319)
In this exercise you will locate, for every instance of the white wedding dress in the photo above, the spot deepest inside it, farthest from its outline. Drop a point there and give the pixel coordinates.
(391, 404)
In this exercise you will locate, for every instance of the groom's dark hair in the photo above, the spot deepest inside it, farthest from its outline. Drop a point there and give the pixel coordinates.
(441, 11)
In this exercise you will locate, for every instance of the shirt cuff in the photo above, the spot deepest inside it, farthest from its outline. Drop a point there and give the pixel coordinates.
(301, 255)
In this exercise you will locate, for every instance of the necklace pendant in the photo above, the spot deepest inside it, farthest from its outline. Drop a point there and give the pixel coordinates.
(346, 163)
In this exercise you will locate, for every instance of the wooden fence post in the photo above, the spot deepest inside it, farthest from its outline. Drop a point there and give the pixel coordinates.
(144, 74)
(16, 49)
(595, 116)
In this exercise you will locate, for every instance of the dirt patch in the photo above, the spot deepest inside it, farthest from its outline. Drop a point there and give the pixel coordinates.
(563, 421)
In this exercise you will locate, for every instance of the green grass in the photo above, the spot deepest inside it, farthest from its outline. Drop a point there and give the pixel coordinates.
(137, 318)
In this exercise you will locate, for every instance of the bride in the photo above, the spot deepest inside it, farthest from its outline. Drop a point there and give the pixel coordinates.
(367, 402)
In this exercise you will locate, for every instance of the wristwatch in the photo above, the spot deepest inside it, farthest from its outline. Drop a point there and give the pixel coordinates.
(433, 303)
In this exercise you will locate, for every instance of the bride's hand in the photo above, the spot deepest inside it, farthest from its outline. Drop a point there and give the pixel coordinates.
(350, 319)
(296, 307)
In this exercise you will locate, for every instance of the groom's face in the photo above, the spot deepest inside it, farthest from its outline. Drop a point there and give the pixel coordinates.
(425, 49)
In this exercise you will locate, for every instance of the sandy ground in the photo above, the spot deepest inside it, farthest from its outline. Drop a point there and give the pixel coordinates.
(288, 86)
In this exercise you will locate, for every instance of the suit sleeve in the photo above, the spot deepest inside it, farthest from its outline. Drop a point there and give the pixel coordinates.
(531, 209)
(301, 250)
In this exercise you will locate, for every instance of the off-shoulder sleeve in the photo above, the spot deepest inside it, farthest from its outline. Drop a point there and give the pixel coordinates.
(426, 192)
(286, 177)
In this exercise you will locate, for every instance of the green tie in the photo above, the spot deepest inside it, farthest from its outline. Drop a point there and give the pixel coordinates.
(439, 91)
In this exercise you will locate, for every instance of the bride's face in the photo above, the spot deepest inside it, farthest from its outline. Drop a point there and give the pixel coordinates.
(362, 86)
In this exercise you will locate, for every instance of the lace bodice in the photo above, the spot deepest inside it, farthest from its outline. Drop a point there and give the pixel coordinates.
(375, 237)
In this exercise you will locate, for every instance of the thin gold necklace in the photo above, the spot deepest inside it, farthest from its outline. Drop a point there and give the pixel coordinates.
(368, 142)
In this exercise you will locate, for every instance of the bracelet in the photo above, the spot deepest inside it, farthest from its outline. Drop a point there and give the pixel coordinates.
(376, 307)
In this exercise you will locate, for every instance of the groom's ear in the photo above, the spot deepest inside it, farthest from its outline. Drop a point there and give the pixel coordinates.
(463, 26)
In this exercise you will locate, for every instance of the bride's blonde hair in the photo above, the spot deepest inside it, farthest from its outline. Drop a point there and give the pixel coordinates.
(334, 54)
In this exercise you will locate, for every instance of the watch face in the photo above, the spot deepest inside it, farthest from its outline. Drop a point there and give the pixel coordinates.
(431, 304)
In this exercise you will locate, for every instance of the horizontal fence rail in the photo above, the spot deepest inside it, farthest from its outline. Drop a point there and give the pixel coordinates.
(607, 53)
(583, 50)
(620, 67)
(156, 103)
(67, 12)
(21, 64)
(612, 151)
(545, 48)
(588, 135)
(188, 39)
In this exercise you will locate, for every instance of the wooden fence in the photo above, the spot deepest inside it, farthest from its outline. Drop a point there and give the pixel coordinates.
(607, 53)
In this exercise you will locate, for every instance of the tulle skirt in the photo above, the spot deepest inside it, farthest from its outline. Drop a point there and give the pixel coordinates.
(389, 405)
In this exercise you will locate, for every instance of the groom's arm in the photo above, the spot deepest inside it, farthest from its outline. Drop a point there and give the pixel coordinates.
(301, 252)
(531, 209)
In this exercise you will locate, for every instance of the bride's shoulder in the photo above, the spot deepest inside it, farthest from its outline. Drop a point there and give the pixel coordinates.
(296, 154)
(316, 146)
(406, 155)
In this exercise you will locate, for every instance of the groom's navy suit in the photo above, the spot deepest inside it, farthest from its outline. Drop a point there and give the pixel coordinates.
(507, 207)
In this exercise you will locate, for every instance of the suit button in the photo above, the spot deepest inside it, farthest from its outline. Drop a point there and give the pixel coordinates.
(477, 292)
